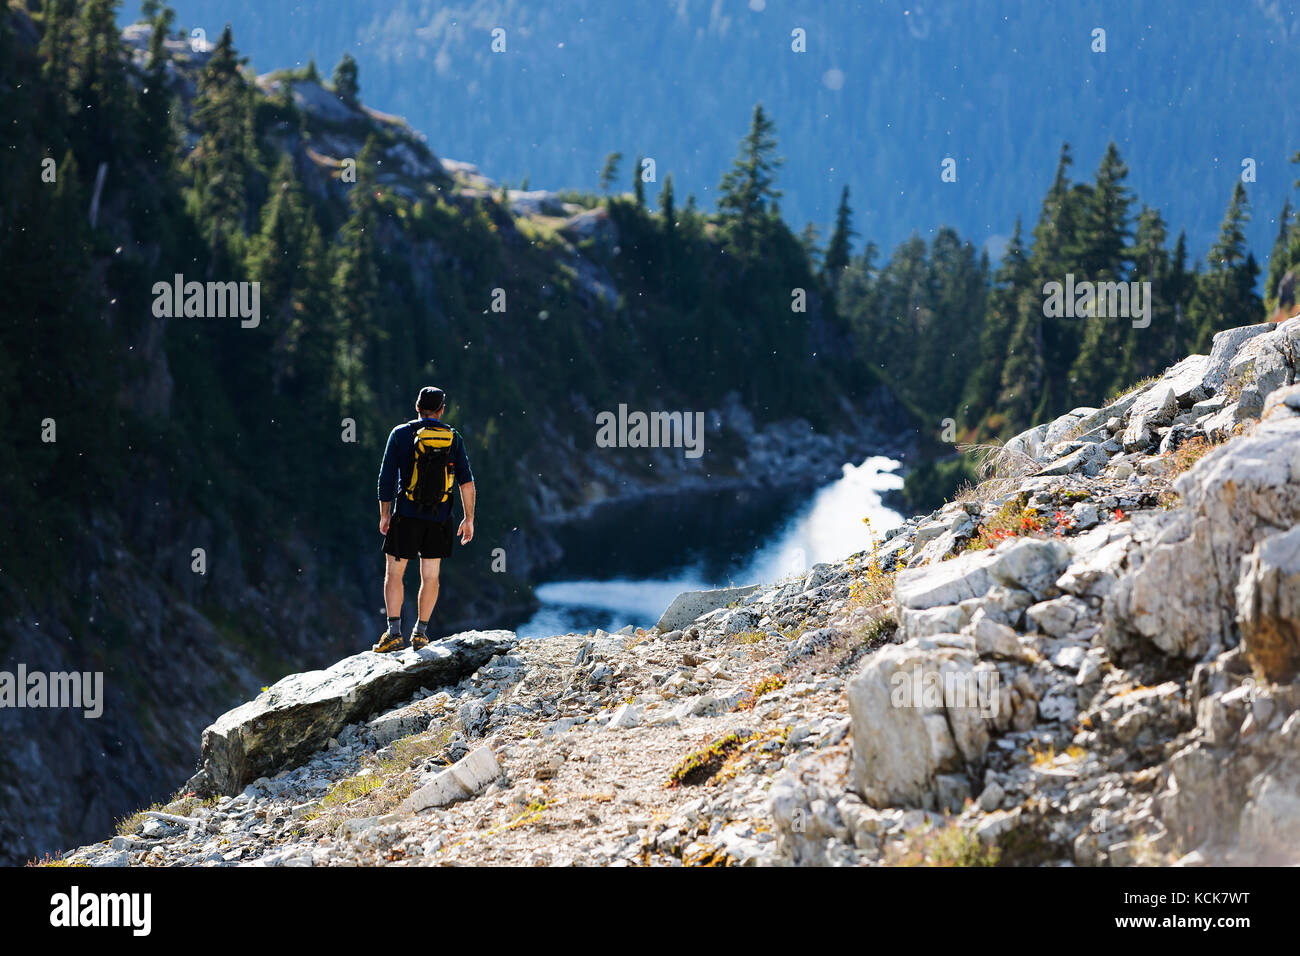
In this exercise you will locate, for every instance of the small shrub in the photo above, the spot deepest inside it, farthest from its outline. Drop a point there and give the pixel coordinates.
(700, 765)
(1012, 520)
(768, 685)
(947, 845)
(1187, 454)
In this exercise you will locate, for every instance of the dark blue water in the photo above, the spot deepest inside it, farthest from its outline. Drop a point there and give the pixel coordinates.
(627, 562)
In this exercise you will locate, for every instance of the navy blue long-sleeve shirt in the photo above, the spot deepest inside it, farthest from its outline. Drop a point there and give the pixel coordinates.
(399, 461)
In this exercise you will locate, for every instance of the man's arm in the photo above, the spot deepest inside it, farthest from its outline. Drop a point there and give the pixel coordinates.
(387, 483)
(466, 529)
(465, 479)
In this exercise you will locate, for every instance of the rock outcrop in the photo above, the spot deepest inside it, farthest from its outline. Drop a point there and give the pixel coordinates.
(296, 717)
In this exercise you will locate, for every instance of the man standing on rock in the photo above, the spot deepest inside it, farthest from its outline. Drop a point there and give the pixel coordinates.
(424, 462)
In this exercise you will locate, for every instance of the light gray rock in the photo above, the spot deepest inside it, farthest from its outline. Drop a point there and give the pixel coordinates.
(1182, 596)
(689, 605)
(916, 713)
(1028, 442)
(1087, 460)
(944, 619)
(1085, 515)
(282, 727)
(1060, 617)
(990, 797)
(948, 582)
(396, 725)
(1282, 402)
(1268, 605)
(1031, 565)
(1156, 408)
(1226, 345)
(462, 779)
(1270, 820)
(1264, 363)
(626, 716)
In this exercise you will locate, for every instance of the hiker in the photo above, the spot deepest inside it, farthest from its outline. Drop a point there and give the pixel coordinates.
(423, 463)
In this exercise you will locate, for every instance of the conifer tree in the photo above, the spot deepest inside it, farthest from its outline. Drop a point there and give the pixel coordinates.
(638, 184)
(1279, 258)
(345, 82)
(223, 162)
(56, 50)
(979, 399)
(667, 211)
(356, 290)
(609, 172)
(748, 190)
(838, 249)
(106, 115)
(156, 97)
(1225, 294)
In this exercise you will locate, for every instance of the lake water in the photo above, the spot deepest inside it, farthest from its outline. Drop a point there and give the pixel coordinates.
(665, 546)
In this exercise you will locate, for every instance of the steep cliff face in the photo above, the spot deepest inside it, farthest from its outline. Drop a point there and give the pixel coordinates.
(1090, 659)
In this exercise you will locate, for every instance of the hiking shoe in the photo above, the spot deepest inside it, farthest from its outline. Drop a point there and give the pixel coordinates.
(419, 640)
(388, 642)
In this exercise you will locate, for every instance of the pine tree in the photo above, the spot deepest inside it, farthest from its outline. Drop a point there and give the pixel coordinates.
(1149, 350)
(980, 396)
(948, 330)
(286, 257)
(106, 109)
(609, 172)
(1105, 232)
(1225, 294)
(838, 249)
(345, 82)
(808, 239)
(638, 184)
(58, 41)
(156, 96)
(356, 291)
(1054, 340)
(1279, 259)
(748, 189)
(223, 158)
(667, 211)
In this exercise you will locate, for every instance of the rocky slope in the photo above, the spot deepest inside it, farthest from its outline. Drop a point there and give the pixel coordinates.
(1090, 658)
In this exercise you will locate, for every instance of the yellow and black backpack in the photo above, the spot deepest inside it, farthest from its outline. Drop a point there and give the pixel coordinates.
(433, 475)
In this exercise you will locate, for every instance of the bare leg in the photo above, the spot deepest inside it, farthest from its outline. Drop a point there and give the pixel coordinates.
(429, 568)
(393, 591)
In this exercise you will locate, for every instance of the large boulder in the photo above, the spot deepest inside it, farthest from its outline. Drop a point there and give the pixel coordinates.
(943, 583)
(1226, 345)
(287, 723)
(689, 605)
(1264, 363)
(1180, 591)
(1268, 606)
(919, 710)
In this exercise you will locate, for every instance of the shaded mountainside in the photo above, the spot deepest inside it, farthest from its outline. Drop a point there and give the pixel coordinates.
(1090, 659)
(188, 501)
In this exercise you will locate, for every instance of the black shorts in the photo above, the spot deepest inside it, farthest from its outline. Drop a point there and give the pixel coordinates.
(418, 537)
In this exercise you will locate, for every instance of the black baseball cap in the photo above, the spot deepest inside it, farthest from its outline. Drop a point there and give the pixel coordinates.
(431, 399)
